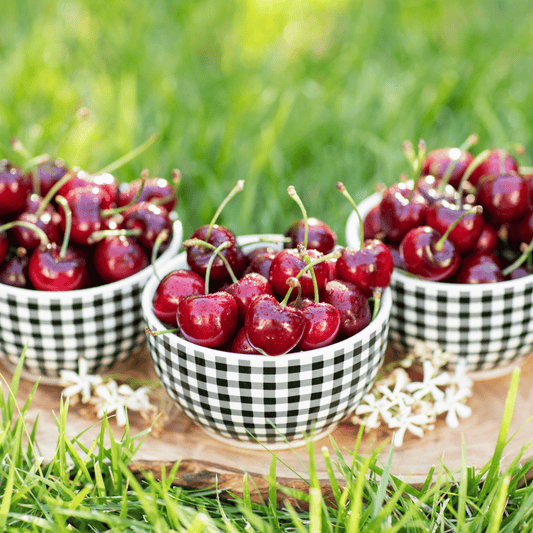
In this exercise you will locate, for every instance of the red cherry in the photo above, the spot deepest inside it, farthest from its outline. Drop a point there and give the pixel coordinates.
(351, 303)
(208, 320)
(479, 268)
(240, 344)
(175, 286)
(273, 329)
(4, 246)
(433, 190)
(15, 186)
(498, 161)
(49, 174)
(246, 288)
(372, 224)
(260, 260)
(487, 241)
(151, 219)
(153, 189)
(14, 272)
(118, 257)
(322, 324)
(320, 236)
(426, 254)
(437, 162)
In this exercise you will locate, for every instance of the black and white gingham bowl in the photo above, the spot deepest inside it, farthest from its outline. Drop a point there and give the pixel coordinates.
(489, 326)
(103, 324)
(251, 400)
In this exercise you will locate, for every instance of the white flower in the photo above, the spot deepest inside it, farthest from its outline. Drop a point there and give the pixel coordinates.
(396, 397)
(374, 407)
(407, 421)
(460, 379)
(453, 404)
(80, 382)
(430, 383)
(137, 400)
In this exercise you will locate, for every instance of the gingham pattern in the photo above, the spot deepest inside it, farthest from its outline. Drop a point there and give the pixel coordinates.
(102, 324)
(490, 327)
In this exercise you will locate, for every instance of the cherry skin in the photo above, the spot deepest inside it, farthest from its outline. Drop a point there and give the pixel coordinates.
(48, 271)
(246, 288)
(15, 186)
(479, 268)
(4, 246)
(106, 183)
(372, 224)
(369, 268)
(442, 214)
(401, 209)
(153, 189)
(288, 264)
(14, 272)
(498, 161)
(425, 254)
(208, 320)
(487, 241)
(437, 162)
(49, 174)
(432, 190)
(118, 257)
(504, 197)
(351, 303)
(151, 219)
(260, 260)
(319, 235)
(273, 329)
(240, 344)
(175, 286)
(322, 324)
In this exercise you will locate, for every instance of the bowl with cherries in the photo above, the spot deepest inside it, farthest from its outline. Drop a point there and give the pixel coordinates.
(461, 234)
(76, 250)
(266, 339)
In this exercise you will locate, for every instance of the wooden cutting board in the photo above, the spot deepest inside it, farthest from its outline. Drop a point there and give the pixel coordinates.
(204, 461)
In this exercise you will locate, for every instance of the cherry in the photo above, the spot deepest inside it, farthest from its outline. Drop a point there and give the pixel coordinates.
(271, 327)
(497, 161)
(372, 224)
(175, 286)
(246, 288)
(48, 174)
(322, 324)
(151, 219)
(433, 190)
(320, 236)
(479, 268)
(208, 320)
(240, 344)
(4, 246)
(487, 241)
(14, 272)
(260, 260)
(119, 256)
(15, 186)
(504, 197)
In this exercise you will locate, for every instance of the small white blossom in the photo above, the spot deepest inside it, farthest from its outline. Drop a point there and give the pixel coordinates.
(406, 420)
(454, 405)
(138, 399)
(396, 396)
(80, 382)
(374, 407)
(430, 384)
(460, 379)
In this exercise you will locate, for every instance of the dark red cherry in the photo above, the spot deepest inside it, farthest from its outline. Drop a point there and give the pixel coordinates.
(322, 324)
(153, 189)
(151, 219)
(426, 254)
(118, 257)
(437, 162)
(320, 236)
(394, 249)
(288, 264)
(208, 320)
(260, 260)
(479, 268)
(442, 214)
(15, 186)
(352, 304)
(369, 268)
(106, 183)
(246, 288)
(488, 239)
(498, 161)
(49, 174)
(4, 246)
(14, 271)
(372, 224)
(175, 286)
(504, 197)
(433, 190)
(240, 344)
(401, 209)
(271, 328)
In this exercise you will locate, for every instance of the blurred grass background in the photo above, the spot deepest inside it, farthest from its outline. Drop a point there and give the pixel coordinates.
(275, 92)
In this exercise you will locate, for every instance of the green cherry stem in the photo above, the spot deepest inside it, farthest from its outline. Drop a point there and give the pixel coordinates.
(305, 256)
(238, 188)
(294, 195)
(156, 333)
(477, 209)
(470, 141)
(68, 224)
(54, 189)
(28, 225)
(482, 156)
(526, 254)
(422, 149)
(117, 210)
(377, 300)
(292, 283)
(100, 235)
(217, 251)
(342, 189)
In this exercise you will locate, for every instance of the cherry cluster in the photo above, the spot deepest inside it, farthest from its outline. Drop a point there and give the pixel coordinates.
(460, 219)
(307, 294)
(65, 229)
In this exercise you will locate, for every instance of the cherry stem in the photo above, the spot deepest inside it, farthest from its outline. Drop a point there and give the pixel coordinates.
(377, 300)
(477, 209)
(30, 162)
(54, 189)
(292, 283)
(217, 251)
(238, 188)
(305, 256)
(174, 182)
(45, 241)
(342, 189)
(294, 195)
(470, 141)
(409, 151)
(129, 156)
(100, 235)
(156, 333)
(422, 149)
(273, 240)
(161, 238)
(483, 156)
(68, 224)
(117, 210)
(526, 254)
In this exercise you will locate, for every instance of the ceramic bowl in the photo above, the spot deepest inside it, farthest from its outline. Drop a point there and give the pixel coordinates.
(101, 324)
(255, 400)
(489, 326)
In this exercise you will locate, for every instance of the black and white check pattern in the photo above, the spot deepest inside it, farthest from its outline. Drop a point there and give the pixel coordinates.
(251, 398)
(104, 324)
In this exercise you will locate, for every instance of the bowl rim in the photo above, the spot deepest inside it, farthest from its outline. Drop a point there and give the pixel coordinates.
(212, 353)
(172, 249)
(352, 236)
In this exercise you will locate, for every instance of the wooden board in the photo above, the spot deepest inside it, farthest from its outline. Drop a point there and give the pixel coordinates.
(205, 461)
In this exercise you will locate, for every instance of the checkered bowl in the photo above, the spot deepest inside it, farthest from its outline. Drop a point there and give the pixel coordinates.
(102, 324)
(489, 326)
(251, 400)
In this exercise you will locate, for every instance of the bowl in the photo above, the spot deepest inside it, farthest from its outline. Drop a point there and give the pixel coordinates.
(255, 400)
(101, 324)
(488, 326)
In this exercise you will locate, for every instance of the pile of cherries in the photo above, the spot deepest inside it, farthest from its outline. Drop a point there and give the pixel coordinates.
(64, 229)
(460, 219)
(308, 294)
